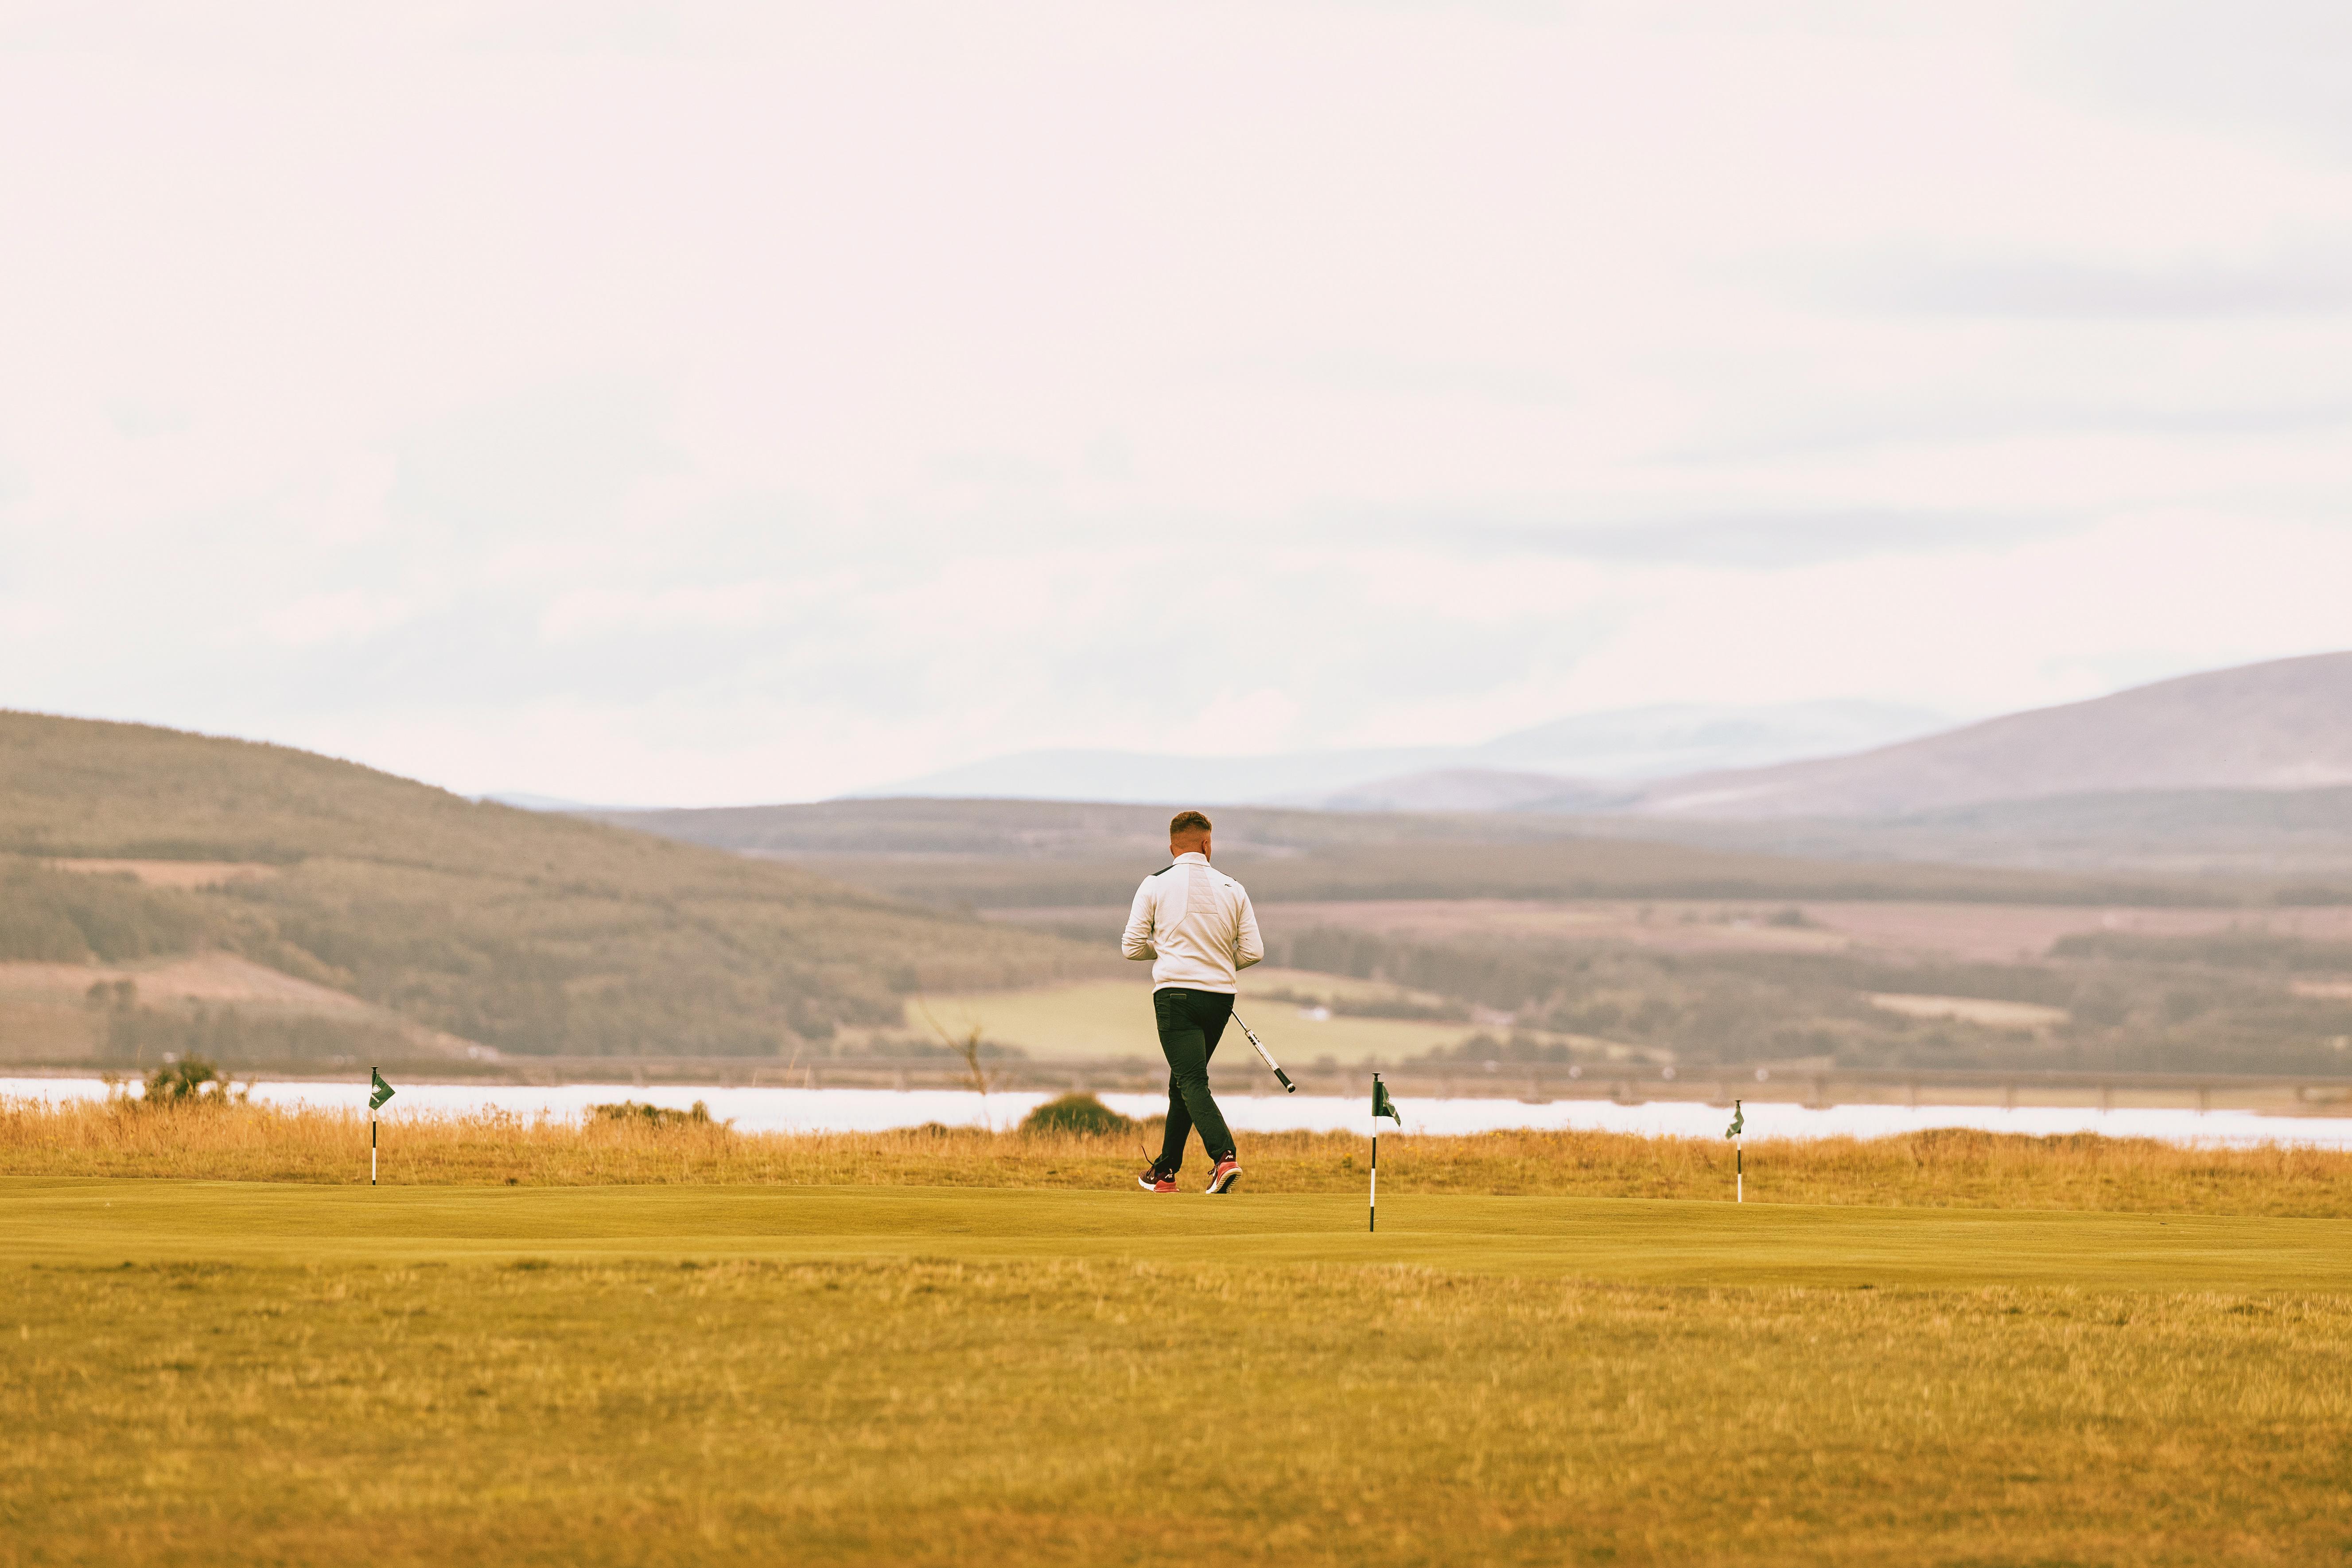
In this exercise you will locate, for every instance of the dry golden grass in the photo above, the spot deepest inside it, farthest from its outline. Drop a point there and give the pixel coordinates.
(197, 1373)
(1932, 1169)
(1089, 1412)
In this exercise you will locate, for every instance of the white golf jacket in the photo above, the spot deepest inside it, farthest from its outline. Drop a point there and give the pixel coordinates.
(1196, 924)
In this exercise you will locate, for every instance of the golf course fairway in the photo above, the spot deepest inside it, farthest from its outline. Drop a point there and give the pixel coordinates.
(96, 1221)
(216, 1373)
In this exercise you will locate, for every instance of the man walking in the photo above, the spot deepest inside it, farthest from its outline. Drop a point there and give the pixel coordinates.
(1196, 926)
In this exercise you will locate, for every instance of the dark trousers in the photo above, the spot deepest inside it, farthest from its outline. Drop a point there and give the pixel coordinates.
(1190, 1023)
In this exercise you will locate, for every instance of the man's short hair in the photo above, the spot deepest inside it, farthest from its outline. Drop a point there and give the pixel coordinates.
(1185, 822)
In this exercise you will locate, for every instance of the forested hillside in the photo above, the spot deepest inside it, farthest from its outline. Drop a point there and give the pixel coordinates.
(519, 930)
(1024, 854)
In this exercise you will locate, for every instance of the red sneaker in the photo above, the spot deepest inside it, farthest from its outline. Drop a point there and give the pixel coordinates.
(1155, 1179)
(1223, 1178)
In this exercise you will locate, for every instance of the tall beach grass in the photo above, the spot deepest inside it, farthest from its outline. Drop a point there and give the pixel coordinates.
(1945, 1168)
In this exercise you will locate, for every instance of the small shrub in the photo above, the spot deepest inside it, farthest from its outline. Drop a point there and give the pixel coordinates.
(1075, 1113)
(653, 1115)
(192, 1080)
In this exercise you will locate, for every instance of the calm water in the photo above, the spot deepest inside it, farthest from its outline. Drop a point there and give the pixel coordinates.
(874, 1110)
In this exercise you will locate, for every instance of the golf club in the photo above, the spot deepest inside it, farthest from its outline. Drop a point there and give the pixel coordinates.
(1267, 1056)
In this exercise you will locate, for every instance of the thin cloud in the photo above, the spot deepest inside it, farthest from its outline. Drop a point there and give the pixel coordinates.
(2312, 280)
(2272, 68)
(1860, 427)
(1757, 540)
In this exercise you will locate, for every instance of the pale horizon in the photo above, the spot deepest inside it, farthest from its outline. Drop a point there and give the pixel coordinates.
(703, 405)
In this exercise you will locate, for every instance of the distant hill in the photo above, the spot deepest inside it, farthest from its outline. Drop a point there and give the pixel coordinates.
(2281, 725)
(1012, 854)
(1636, 972)
(1628, 744)
(1476, 789)
(526, 801)
(122, 844)
(2298, 841)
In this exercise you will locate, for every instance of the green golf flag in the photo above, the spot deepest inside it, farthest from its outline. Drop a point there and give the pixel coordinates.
(1738, 1120)
(1382, 1104)
(380, 1093)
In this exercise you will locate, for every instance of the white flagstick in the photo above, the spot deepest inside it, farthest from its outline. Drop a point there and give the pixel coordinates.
(1380, 1107)
(378, 1093)
(1737, 1133)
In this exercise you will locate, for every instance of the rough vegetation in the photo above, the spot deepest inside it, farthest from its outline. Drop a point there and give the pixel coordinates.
(1947, 1168)
(1082, 1114)
(193, 1083)
(636, 1111)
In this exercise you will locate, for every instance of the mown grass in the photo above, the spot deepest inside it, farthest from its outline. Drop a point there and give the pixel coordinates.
(675, 1344)
(1089, 1410)
(1947, 1168)
(1639, 1241)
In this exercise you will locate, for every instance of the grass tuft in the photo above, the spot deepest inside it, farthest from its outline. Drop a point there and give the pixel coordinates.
(653, 1115)
(1077, 1113)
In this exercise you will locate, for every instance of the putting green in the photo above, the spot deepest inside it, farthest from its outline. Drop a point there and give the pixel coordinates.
(104, 1221)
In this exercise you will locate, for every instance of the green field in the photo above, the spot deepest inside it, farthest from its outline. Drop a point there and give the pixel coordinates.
(1097, 1018)
(195, 1371)
(82, 1221)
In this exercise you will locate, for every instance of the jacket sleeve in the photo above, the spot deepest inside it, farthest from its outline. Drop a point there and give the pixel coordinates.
(1248, 946)
(1136, 942)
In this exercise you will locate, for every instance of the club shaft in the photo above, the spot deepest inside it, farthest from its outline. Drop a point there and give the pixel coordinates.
(1266, 1057)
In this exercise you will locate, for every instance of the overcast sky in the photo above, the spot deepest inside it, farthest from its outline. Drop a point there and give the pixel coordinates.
(681, 405)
